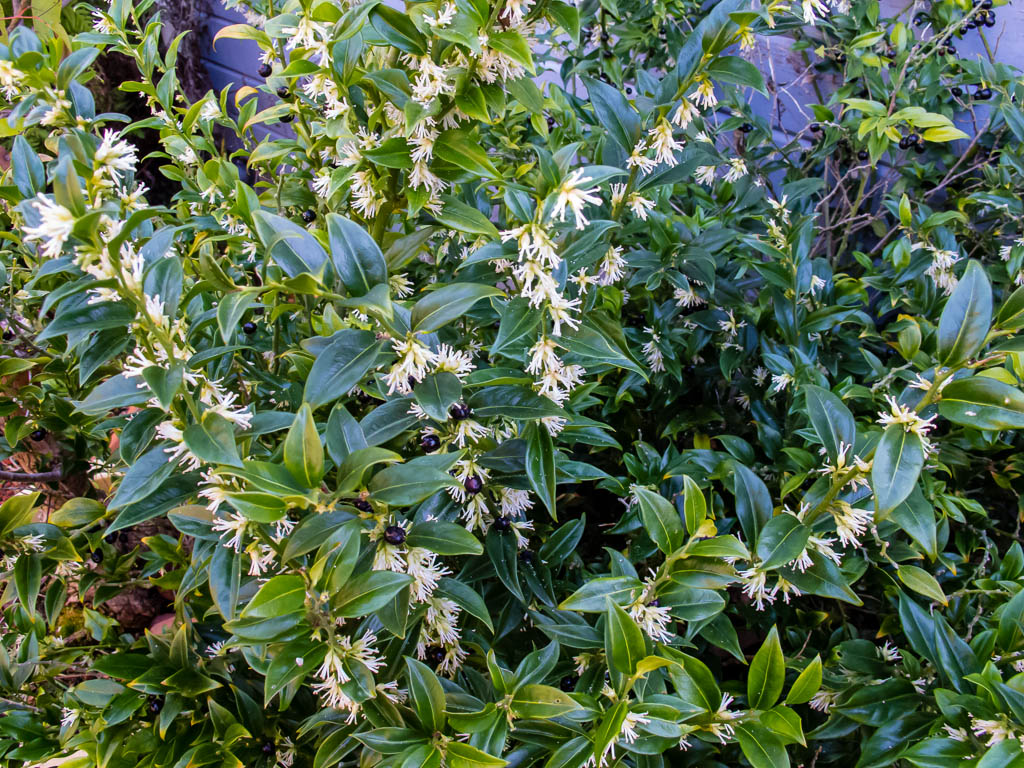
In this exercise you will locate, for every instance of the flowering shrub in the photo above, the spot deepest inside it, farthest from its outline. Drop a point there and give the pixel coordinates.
(477, 418)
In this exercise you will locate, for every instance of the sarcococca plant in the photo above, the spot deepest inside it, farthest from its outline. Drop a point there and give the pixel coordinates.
(513, 382)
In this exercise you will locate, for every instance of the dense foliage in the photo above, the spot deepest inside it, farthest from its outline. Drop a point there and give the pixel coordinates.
(419, 410)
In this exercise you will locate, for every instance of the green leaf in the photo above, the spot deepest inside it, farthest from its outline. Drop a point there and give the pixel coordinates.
(1011, 313)
(517, 329)
(767, 673)
(462, 149)
(823, 578)
(467, 598)
(437, 393)
(623, 640)
(898, 460)
(541, 701)
(512, 402)
(403, 485)
(355, 465)
(831, 420)
(916, 516)
(229, 313)
(753, 501)
(426, 695)
(303, 452)
(368, 592)
(397, 28)
(116, 392)
(28, 575)
(540, 467)
(465, 218)
(440, 307)
(355, 255)
(291, 247)
(921, 582)
(660, 519)
(614, 113)
(807, 683)
(344, 360)
(983, 403)
(501, 550)
(966, 318)
(592, 596)
(761, 747)
(733, 69)
(315, 530)
(142, 478)
(444, 538)
(281, 595)
(781, 541)
(213, 440)
(75, 512)
(461, 755)
(695, 506)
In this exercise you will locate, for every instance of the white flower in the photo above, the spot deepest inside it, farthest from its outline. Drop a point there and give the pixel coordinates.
(114, 156)
(755, 587)
(687, 297)
(611, 266)
(705, 174)
(851, 523)
(704, 95)
(779, 382)
(823, 701)
(515, 10)
(684, 114)
(10, 79)
(425, 571)
(570, 195)
(909, 419)
(653, 354)
(55, 225)
(737, 169)
(453, 360)
(414, 358)
(236, 525)
(663, 144)
(995, 730)
(445, 16)
(813, 10)
(628, 729)
(638, 159)
(322, 183)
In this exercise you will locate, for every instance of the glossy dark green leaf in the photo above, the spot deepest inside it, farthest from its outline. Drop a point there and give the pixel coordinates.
(981, 402)
(966, 318)
(767, 673)
(898, 461)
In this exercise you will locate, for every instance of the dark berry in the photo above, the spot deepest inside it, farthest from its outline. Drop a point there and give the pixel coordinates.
(746, 128)
(841, 58)
(459, 411)
(309, 216)
(903, 143)
(814, 127)
(568, 683)
(362, 505)
(502, 524)
(97, 556)
(110, 538)
(268, 748)
(983, 94)
(249, 327)
(862, 155)
(8, 335)
(985, 4)
(430, 443)
(551, 123)
(527, 557)
(287, 118)
(283, 92)
(435, 654)
(990, 19)
(394, 534)
(473, 485)
(265, 70)
(913, 138)
(971, 23)
(605, 37)
(919, 148)
(957, 91)
(920, 20)
(951, 49)
(38, 434)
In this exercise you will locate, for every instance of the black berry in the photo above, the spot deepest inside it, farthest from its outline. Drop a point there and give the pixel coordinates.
(459, 411)
(287, 118)
(394, 534)
(913, 138)
(746, 128)
(283, 92)
(97, 556)
(38, 434)
(268, 748)
(265, 70)
(110, 538)
(249, 327)
(605, 37)
(919, 148)
(473, 485)
(362, 505)
(551, 123)
(430, 443)
(903, 143)
(568, 683)
(957, 91)
(502, 524)
(862, 155)
(841, 58)
(435, 654)
(990, 19)
(309, 216)
(259, 311)
(8, 335)
(814, 127)
(985, 4)
(983, 94)
(920, 20)
(155, 704)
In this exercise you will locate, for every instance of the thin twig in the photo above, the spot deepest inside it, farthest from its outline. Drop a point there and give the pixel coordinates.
(52, 476)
